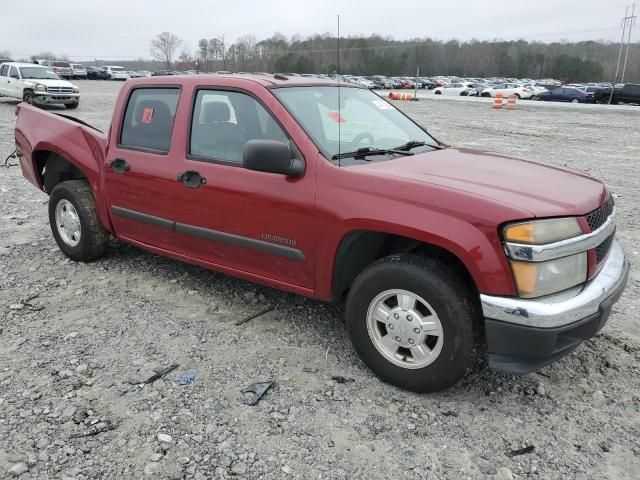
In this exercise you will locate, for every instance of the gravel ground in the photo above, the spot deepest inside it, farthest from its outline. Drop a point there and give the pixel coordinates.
(77, 341)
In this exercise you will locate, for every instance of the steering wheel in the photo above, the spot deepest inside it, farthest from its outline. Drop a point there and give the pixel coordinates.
(358, 139)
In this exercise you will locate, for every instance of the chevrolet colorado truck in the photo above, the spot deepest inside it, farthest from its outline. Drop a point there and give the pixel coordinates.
(440, 255)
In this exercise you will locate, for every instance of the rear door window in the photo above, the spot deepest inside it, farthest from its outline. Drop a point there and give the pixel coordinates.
(4, 71)
(148, 119)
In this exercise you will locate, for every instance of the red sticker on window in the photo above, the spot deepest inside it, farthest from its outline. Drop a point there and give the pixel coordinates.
(336, 117)
(147, 115)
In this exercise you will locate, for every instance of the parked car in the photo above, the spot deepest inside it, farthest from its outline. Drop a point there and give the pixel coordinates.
(133, 74)
(61, 68)
(507, 89)
(144, 73)
(564, 94)
(37, 85)
(97, 73)
(461, 88)
(628, 93)
(475, 89)
(160, 73)
(465, 253)
(380, 81)
(79, 71)
(363, 81)
(116, 72)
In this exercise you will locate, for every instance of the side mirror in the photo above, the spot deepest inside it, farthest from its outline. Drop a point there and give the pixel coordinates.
(271, 156)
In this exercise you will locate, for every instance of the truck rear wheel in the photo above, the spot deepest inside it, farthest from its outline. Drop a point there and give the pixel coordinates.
(74, 221)
(413, 322)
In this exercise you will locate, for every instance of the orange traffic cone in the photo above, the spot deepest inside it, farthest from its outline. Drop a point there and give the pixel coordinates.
(400, 96)
(511, 103)
(497, 103)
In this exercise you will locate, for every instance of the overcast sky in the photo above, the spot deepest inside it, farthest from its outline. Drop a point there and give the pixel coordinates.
(122, 29)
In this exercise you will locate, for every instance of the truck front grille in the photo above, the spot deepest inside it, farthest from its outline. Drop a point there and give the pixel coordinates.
(596, 218)
(603, 248)
(62, 90)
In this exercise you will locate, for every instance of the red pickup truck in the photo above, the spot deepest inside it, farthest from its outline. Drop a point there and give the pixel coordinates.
(440, 255)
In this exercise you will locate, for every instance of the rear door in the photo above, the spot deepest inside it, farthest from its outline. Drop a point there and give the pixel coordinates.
(140, 170)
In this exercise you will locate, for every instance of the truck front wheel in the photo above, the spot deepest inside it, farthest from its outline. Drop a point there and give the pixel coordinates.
(28, 97)
(413, 322)
(74, 221)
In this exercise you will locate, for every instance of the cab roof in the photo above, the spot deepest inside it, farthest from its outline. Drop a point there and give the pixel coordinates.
(267, 80)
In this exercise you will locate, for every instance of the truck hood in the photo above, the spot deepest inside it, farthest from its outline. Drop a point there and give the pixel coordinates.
(47, 82)
(543, 190)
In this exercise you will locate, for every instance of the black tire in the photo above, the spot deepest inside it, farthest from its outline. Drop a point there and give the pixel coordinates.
(93, 237)
(449, 295)
(437, 92)
(71, 106)
(517, 96)
(486, 95)
(28, 97)
(575, 100)
(535, 98)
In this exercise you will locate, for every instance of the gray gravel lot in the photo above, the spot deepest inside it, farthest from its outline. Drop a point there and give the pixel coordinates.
(72, 358)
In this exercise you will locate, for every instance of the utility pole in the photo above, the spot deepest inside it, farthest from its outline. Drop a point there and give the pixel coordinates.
(632, 23)
(627, 21)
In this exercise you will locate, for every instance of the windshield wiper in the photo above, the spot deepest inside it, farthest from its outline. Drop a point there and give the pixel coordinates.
(366, 151)
(413, 144)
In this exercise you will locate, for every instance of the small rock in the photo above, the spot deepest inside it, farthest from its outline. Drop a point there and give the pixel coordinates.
(68, 412)
(164, 438)
(239, 468)
(540, 390)
(18, 469)
(155, 457)
(16, 306)
(151, 469)
(598, 398)
(287, 469)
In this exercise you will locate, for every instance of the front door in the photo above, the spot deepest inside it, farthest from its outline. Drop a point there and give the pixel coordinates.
(139, 175)
(254, 222)
(15, 84)
(4, 80)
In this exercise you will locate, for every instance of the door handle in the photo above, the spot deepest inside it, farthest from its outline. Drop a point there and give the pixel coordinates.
(119, 165)
(191, 179)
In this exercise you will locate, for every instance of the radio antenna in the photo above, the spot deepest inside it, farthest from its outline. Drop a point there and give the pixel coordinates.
(339, 107)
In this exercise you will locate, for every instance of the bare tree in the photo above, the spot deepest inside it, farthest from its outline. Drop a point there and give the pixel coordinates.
(164, 47)
(5, 54)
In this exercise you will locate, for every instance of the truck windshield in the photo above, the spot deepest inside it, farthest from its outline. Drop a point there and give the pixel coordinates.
(37, 73)
(363, 120)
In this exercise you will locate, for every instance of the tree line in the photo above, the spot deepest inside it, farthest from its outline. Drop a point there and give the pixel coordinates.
(587, 61)
(572, 62)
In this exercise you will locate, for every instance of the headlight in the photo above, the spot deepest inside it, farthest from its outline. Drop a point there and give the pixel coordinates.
(76, 89)
(540, 232)
(535, 279)
(40, 88)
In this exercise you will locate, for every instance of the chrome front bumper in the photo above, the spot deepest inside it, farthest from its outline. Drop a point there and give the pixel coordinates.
(566, 308)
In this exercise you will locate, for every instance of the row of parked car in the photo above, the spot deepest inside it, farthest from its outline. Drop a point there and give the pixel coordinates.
(529, 89)
(78, 71)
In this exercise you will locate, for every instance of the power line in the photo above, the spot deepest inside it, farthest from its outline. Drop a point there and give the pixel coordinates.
(632, 23)
(628, 22)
